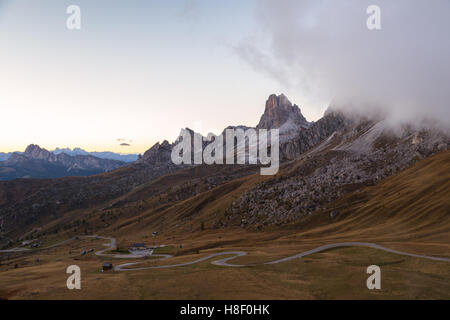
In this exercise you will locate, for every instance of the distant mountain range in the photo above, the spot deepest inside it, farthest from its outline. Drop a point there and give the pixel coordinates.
(80, 152)
(36, 162)
(101, 155)
(5, 156)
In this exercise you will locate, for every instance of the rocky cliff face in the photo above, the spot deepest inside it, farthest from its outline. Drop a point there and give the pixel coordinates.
(159, 153)
(35, 152)
(334, 157)
(281, 114)
(306, 139)
(280, 110)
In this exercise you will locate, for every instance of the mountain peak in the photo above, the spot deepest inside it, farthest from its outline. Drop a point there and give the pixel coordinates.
(278, 111)
(32, 148)
(158, 153)
(36, 152)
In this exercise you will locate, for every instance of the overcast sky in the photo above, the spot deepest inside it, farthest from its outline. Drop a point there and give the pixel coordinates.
(324, 48)
(139, 71)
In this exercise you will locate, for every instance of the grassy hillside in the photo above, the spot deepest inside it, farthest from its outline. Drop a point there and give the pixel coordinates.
(408, 211)
(411, 205)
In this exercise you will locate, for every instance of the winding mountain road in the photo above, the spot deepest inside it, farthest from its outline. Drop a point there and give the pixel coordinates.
(221, 262)
(235, 254)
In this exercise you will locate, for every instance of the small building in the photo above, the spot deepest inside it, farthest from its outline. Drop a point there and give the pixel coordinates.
(107, 266)
(138, 246)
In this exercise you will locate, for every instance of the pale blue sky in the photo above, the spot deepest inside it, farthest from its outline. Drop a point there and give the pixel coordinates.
(138, 70)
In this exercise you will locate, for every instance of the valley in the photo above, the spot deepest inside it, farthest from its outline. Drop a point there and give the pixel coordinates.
(374, 214)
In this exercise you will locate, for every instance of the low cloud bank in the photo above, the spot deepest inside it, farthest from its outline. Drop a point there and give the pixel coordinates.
(324, 50)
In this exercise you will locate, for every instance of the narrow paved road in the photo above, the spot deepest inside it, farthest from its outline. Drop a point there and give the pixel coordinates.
(221, 262)
(22, 249)
(356, 244)
(235, 254)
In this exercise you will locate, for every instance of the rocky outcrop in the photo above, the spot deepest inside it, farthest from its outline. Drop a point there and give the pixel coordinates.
(33, 151)
(281, 114)
(159, 153)
(306, 139)
(354, 155)
(279, 110)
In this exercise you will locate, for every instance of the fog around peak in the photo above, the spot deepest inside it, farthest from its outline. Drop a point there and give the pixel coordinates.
(324, 50)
